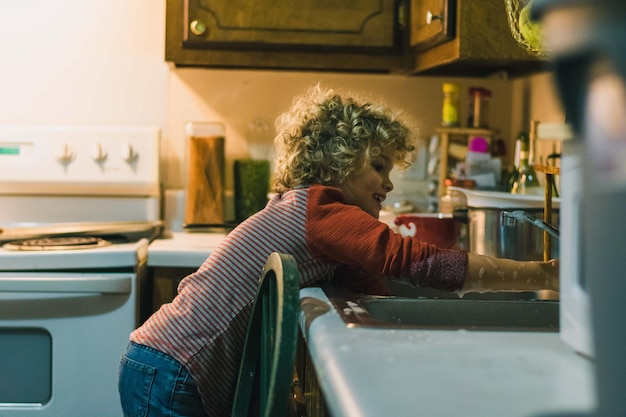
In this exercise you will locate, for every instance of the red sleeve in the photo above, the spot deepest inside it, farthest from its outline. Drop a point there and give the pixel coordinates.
(342, 233)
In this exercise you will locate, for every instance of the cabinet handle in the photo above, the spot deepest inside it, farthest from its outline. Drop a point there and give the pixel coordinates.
(197, 27)
(430, 17)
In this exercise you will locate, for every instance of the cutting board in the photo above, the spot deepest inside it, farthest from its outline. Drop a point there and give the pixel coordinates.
(205, 181)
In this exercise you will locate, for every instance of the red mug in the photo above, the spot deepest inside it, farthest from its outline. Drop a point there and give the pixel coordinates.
(438, 229)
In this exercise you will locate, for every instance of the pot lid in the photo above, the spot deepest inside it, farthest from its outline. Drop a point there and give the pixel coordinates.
(499, 199)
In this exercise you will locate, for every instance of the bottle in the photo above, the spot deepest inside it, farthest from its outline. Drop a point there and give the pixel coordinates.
(478, 115)
(527, 181)
(515, 173)
(450, 109)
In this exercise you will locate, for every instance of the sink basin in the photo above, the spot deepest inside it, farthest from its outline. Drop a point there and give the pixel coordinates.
(483, 314)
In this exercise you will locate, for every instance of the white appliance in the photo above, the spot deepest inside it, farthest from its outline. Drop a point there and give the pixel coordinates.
(66, 311)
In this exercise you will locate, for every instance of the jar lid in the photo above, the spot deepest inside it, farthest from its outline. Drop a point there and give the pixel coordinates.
(479, 91)
(460, 182)
(450, 88)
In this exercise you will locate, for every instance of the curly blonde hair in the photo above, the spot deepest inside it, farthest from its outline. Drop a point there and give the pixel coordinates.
(325, 138)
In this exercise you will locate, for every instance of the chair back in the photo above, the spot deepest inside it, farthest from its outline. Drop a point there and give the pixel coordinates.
(266, 371)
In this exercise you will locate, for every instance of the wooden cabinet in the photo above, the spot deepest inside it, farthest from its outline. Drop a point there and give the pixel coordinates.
(466, 37)
(415, 37)
(354, 35)
(432, 22)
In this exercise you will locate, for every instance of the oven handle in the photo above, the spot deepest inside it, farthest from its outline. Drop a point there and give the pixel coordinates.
(90, 284)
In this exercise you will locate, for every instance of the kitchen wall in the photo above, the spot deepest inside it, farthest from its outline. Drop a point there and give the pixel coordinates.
(100, 62)
(535, 98)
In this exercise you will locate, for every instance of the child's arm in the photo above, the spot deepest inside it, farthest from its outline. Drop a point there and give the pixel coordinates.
(487, 274)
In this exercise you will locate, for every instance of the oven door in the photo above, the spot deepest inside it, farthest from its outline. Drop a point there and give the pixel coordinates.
(61, 337)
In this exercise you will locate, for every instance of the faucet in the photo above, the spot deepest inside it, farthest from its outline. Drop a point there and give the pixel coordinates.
(525, 217)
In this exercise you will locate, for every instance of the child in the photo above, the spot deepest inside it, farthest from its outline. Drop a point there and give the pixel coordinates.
(334, 159)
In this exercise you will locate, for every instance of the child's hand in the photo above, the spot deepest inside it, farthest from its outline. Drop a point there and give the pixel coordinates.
(551, 271)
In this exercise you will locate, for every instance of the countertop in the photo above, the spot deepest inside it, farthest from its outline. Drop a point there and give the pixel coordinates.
(183, 249)
(399, 372)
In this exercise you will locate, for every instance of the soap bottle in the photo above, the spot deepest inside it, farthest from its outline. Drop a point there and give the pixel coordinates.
(450, 109)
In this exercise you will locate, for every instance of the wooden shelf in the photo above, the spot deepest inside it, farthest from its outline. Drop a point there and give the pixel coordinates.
(446, 136)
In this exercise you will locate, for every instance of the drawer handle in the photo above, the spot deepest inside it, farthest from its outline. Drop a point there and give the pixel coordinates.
(96, 284)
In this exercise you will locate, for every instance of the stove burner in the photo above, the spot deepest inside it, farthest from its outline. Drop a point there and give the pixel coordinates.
(57, 243)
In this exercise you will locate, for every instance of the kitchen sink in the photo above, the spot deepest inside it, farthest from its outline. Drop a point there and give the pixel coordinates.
(490, 312)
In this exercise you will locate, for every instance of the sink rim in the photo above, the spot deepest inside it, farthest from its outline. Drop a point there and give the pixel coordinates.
(353, 309)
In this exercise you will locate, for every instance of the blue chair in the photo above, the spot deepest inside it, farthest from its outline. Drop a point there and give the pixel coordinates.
(266, 371)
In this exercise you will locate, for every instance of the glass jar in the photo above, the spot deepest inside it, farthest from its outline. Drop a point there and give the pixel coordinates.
(454, 199)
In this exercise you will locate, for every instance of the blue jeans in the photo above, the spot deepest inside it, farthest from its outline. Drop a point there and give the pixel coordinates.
(153, 384)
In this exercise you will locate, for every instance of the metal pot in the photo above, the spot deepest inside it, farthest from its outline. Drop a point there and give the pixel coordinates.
(493, 232)
(506, 225)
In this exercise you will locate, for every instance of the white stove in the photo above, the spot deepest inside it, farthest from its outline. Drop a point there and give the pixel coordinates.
(66, 311)
(111, 256)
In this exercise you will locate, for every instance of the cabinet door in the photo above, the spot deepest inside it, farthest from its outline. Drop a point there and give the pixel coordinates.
(286, 23)
(432, 22)
(305, 34)
(481, 44)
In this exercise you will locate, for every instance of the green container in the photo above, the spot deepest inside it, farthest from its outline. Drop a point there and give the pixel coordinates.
(252, 184)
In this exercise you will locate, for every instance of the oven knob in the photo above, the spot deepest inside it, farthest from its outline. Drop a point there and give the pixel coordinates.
(100, 154)
(129, 153)
(67, 155)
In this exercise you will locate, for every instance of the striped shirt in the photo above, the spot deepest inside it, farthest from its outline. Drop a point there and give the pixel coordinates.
(204, 326)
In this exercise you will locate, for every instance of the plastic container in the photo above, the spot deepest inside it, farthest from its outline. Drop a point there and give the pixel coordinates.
(478, 115)
(478, 164)
(450, 109)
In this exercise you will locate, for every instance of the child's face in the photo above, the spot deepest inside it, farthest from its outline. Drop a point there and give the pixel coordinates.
(368, 188)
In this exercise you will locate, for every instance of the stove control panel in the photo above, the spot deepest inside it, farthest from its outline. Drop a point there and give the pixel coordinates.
(79, 160)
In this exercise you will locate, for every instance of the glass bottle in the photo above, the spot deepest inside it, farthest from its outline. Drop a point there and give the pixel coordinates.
(515, 173)
(527, 181)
